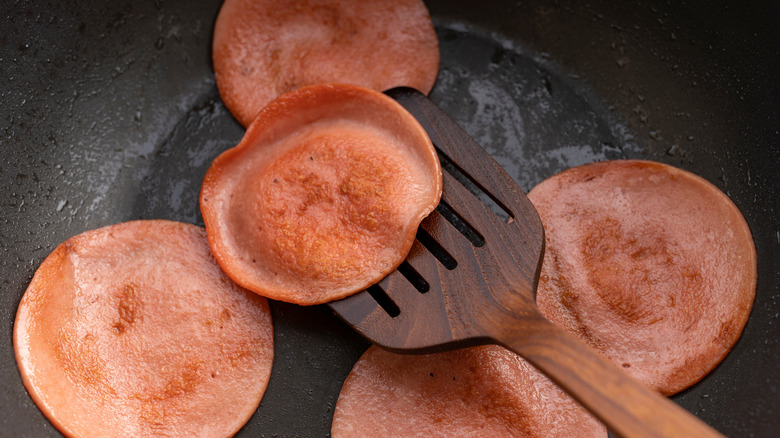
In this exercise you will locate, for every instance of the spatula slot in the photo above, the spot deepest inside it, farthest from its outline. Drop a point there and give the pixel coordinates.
(475, 187)
(437, 250)
(460, 224)
(414, 277)
(384, 300)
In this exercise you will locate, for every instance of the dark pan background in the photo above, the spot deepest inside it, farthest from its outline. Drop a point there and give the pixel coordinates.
(109, 112)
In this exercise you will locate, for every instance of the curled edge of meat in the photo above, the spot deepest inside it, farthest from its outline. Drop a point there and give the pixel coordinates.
(323, 195)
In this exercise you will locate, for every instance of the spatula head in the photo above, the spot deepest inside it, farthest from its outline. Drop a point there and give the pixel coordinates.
(475, 264)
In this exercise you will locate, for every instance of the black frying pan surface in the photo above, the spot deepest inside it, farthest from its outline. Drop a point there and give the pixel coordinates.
(109, 113)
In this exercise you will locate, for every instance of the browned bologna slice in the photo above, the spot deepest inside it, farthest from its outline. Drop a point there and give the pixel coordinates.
(323, 195)
(651, 265)
(264, 48)
(133, 330)
(474, 392)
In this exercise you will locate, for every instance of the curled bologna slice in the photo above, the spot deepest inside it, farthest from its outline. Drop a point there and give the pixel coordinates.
(323, 195)
(484, 391)
(133, 330)
(651, 265)
(264, 48)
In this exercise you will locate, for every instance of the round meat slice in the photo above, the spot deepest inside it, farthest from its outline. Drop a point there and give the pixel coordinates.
(323, 195)
(133, 330)
(264, 48)
(482, 391)
(651, 265)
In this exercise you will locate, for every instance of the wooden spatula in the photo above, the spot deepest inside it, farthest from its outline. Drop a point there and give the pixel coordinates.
(471, 279)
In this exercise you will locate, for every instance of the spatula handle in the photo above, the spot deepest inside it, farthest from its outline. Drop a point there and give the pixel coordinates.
(626, 406)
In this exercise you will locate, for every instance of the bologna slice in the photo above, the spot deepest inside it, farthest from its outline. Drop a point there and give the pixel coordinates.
(133, 330)
(264, 48)
(323, 195)
(482, 391)
(651, 265)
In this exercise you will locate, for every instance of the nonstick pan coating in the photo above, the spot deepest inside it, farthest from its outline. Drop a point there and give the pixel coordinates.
(110, 113)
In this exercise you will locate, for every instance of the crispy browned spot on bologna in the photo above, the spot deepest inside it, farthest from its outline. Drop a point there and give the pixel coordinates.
(264, 48)
(133, 330)
(323, 195)
(474, 392)
(652, 265)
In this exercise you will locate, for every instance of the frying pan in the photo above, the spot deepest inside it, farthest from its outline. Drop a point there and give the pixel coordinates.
(110, 113)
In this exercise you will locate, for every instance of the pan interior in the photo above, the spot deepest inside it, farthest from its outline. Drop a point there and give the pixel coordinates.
(111, 114)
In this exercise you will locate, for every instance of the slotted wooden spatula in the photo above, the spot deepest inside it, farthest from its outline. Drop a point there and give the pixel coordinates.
(471, 279)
